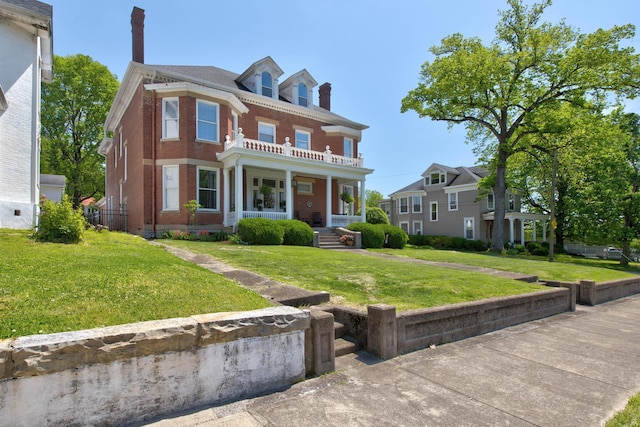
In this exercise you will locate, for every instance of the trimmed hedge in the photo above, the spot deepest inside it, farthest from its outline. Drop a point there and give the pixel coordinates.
(296, 233)
(395, 237)
(375, 215)
(260, 231)
(448, 242)
(372, 235)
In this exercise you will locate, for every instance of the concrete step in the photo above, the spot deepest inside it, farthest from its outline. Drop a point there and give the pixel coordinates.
(345, 345)
(340, 329)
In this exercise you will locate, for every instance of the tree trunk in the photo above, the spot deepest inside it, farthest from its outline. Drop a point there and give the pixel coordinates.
(499, 194)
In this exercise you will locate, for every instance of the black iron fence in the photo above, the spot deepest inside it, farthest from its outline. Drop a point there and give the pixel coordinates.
(115, 219)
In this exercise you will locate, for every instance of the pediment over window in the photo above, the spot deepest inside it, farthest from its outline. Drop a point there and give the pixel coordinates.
(437, 174)
(298, 88)
(262, 77)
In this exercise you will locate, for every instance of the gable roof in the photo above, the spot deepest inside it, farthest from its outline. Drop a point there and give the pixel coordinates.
(461, 176)
(439, 167)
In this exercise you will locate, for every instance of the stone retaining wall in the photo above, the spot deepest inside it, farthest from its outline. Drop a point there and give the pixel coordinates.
(118, 374)
(592, 293)
(421, 328)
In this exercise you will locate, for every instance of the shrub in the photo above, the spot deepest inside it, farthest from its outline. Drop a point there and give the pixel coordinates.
(395, 237)
(296, 233)
(59, 222)
(536, 248)
(260, 231)
(446, 242)
(372, 236)
(457, 243)
(375, 215)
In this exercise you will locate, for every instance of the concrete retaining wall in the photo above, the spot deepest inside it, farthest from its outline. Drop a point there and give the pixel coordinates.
(113, 375)
(592, 293)
(420, 328)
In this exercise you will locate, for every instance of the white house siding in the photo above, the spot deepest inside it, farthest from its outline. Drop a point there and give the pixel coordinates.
(19, 127)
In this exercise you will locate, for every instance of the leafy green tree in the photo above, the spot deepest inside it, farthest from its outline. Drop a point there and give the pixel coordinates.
(498, 91)
(74, 108)
(372, 197)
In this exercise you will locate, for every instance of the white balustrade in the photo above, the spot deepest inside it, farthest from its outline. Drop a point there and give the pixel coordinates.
(264, 214)
(344, 220)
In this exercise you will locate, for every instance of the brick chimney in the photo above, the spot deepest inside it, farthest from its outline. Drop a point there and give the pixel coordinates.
(325, 96)
(137, 35)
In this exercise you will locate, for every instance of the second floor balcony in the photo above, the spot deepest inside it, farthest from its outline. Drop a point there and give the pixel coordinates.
(289, 151)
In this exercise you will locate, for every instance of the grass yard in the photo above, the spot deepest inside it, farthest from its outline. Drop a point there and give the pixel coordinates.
(108, 279)
(359, 280)
(629, 416)
(564, 268)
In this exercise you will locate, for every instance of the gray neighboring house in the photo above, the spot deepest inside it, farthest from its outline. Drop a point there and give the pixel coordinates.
(52, 186)
(26, 60)
(446, 201)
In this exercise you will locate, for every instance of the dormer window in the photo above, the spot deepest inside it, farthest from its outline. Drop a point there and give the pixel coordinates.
(267, 84)
(435, 178)
(302, 95)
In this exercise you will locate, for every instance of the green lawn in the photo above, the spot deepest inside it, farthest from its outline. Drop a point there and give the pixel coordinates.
(564, 267)
(359, 280)
(629, 416)
(108, 279)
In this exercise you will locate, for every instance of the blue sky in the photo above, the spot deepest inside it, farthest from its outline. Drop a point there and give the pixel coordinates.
(369, 50)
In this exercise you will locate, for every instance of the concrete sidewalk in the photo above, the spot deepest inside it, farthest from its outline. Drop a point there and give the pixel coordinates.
(574, 369)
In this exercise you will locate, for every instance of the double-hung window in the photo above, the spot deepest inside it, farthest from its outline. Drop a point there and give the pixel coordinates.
(303, 95)
(453, 201)
(469, 233)
(490, 202)
(433, 211)
(170, 188)
(208, 188)
(267, 84)
(207, 121)
(417, 204)
(170, 117)
(404, 205)
(302, 139)
(512, 203)
(266, 132)
(348, 147)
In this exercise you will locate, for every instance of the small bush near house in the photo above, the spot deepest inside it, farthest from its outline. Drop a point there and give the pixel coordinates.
(59, 222)
(372, 235)
(296, 233)
(395, 237)
(260, 231)
(536, 248)
(375, 215)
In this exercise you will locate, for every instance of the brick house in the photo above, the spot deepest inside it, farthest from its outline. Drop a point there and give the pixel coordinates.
(202, 133)
(26, 60)
(447, 201)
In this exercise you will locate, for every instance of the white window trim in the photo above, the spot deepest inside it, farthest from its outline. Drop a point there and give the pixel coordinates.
(297, 131)
(217, 172)
(449, 202)
(305, 187)
(442, 178)
(164, 118)
(120, 142)
(492, 205)
(400, 205)
(419, 204)
(352, 153)
(414, 227)
(126, 150)
(164, 188)
(431, 204)
(306, 98)
(473, 228)
(405, 223)
(217, 122)
(115, 156)
(267, 125)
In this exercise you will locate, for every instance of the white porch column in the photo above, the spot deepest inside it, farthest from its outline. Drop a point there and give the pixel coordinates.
(534, 229)
(363, 202)
(227, 197)
(239, 192)
(522, 231)
(329, 223)
(288, 194)
(511, 231)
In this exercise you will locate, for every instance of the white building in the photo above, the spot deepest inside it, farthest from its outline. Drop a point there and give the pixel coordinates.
(26, 58)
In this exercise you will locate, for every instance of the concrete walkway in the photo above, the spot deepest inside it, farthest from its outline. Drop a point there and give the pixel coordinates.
(574, 369)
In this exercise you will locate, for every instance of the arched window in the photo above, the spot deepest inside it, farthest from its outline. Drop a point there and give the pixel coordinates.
(267, 84)
(302, 95)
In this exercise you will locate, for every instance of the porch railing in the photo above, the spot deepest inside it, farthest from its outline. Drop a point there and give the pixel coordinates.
(344, 220)
(287, 149)
(264, 214)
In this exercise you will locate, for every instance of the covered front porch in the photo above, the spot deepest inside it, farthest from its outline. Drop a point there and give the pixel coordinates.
(279, 181)
(519, 219)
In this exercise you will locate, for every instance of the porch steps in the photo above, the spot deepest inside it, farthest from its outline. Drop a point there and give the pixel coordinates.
(344, 344)
(327, 239)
